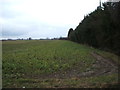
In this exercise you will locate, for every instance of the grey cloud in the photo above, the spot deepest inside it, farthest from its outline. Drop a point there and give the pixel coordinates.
(22, 26)
(7, 10)
(49, 31)
(12, 32)
(11, 29)
(9, 14)
(34, 30)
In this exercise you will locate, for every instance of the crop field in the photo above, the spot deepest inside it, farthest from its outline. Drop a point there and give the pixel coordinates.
(56, 64)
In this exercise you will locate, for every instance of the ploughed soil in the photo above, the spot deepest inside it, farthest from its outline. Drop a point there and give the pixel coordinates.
(102, 66)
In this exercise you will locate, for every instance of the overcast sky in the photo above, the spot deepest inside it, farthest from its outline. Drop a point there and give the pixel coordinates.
(42, 18)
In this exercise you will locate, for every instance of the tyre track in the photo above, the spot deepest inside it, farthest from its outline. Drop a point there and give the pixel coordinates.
(102, 66)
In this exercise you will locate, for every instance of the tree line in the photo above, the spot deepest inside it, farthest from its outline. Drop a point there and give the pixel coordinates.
(100, 28)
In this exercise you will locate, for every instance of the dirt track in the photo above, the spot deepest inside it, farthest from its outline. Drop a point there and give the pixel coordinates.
(102, 66)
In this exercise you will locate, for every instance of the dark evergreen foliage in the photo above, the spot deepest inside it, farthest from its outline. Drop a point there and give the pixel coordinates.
(100, 29)
(69, 32)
